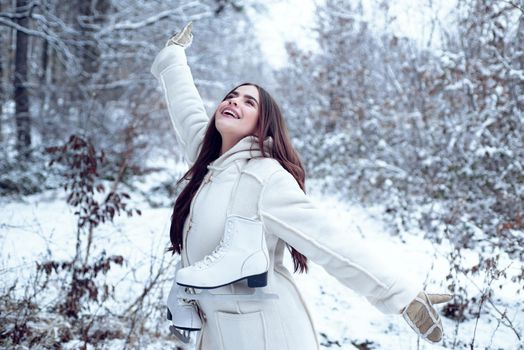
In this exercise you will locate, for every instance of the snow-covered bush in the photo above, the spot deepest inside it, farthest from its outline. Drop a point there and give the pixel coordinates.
(22, 177)
(434, 136)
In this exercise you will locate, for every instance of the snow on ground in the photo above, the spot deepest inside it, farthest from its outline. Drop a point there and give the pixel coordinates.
(42, 227)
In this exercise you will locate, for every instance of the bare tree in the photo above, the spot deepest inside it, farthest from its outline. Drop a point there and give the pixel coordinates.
(3, 98)
(21, 98)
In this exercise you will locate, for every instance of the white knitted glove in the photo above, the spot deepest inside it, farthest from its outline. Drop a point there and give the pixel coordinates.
(183, 38)
(423, 318)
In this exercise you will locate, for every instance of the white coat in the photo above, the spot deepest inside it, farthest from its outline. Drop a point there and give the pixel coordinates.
(288, 217)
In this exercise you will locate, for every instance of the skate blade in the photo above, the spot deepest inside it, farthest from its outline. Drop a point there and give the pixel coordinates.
(257, 294)
(181, 336)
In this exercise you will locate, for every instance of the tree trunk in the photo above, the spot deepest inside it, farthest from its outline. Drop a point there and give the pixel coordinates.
(45, 60)
(517, 89)
(2, 92)
(46, 124)
(22, 116)
(4, 38)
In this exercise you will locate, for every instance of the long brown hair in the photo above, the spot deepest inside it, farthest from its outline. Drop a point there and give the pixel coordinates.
(270, 124)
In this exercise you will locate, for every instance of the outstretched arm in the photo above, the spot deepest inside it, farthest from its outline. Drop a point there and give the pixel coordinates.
(185, 106)
(290, 215)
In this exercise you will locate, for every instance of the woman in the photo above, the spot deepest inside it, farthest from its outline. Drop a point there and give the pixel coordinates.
(248, 127)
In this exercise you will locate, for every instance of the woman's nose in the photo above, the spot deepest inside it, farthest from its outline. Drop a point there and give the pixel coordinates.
(232, 101)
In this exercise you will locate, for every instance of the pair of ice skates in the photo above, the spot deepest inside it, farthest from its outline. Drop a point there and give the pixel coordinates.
(242, 254)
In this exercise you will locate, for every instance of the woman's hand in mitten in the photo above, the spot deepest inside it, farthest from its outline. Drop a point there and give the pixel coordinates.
(183, 38)
(422, 316)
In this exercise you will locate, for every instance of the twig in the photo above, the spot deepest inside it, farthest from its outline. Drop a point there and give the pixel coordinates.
(147, 289)
(482, 299)
(503, 315)
(128, 25)
(495, 331)
(515, 5)
(51, 39)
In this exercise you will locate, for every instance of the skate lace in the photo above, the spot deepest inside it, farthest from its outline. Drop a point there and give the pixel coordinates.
(216, 254)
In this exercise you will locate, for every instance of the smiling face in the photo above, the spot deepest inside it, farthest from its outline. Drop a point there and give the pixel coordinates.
(237, 115)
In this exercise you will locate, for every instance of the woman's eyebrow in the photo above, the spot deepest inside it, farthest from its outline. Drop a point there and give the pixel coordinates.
(251, 98)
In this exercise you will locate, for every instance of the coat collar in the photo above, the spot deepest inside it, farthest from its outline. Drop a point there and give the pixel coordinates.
(246, 148)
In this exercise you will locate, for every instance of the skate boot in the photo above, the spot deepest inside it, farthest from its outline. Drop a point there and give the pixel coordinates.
(241, 254)
(182, 314)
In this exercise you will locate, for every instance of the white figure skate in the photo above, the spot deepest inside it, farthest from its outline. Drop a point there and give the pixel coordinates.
(183, 315)
(241, 254)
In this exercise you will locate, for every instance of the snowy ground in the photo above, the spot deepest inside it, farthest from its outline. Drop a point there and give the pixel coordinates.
(42, 227)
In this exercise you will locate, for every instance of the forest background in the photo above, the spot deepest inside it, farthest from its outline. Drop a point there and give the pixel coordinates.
(425, 123)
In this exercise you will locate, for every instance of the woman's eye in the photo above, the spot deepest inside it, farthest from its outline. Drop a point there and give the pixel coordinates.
(249, 102)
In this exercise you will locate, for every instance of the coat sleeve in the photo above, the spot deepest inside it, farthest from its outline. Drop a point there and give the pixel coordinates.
(290, 215)
(184, 104)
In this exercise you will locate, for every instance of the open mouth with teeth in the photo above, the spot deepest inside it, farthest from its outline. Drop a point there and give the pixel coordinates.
(230, 113)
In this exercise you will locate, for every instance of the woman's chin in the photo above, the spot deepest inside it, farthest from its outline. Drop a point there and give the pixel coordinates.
(225, 126)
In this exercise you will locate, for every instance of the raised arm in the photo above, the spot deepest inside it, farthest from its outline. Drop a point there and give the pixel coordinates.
(185, 106)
